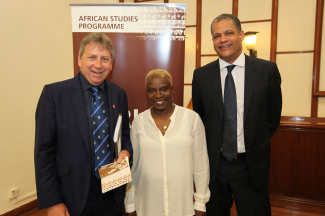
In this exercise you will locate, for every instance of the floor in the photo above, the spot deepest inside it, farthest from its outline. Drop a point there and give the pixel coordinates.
(275, 212)
(283, 212)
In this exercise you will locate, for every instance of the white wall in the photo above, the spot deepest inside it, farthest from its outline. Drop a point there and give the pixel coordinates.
(36, 49)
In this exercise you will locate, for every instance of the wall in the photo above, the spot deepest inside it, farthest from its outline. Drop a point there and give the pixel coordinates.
(36, 49)
(294, 47)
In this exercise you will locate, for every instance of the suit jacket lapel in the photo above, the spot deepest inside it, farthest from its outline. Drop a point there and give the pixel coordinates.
(79, 110)
(250, 77)
(113, 114)
(215, 81)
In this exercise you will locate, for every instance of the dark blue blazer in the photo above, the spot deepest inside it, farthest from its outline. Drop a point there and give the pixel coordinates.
(63, 155)
(262, 114)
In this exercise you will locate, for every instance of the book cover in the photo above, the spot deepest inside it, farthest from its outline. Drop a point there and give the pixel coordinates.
(114, 175)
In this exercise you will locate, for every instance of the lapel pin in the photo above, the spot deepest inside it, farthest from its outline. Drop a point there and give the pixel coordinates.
(114, 106)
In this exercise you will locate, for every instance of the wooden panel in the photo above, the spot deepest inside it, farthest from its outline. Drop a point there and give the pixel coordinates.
(235, 7)
(319, 66)
(302, 122)
(297, 177)
(254, 10)
(22, 209)
(296, 52)
(284, 163)
(296, 16)
(296, 83)
(311, 178)
(297, 204)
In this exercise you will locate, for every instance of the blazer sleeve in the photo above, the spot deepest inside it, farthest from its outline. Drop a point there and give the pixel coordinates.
(274, 106)
(126, 143)
(48, 190)
(196, 95)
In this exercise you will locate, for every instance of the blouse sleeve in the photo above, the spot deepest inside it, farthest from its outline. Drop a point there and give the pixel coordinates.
(200, 166)
(129, 198)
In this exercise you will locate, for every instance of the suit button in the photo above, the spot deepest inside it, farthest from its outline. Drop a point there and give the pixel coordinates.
(220, 132)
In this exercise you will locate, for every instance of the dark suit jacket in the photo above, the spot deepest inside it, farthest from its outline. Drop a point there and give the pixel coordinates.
(63, 154)
(262, 113)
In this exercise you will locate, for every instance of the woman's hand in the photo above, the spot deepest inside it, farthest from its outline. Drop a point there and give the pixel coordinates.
(199, 213)
(132, 214)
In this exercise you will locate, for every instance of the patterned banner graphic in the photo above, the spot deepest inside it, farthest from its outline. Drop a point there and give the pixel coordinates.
(145, 37)
(156, 21)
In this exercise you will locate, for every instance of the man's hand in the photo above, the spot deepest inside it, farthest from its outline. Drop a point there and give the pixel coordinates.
(132, 214)
(122, 155)
(199, 213)
(58, 210)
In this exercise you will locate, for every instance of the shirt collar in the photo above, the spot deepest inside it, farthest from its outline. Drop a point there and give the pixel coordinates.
(240, 61)
(86, 85)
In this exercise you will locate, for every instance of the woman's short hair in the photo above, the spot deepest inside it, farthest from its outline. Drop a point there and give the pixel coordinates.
(97, 38)
(158, 72)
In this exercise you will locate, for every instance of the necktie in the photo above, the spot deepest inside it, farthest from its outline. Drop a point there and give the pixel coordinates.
(229, 147)
(100, 131)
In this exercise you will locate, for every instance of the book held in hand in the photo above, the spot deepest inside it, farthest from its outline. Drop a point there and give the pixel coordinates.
(114, 175)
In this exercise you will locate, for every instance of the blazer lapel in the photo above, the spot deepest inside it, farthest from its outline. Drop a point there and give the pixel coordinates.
(79, 110)
(113, 114)
(215, 81)
(250, 77)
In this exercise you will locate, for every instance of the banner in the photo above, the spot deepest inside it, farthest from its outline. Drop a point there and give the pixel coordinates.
(145, 37)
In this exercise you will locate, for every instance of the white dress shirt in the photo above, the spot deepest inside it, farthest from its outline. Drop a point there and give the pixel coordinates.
(165, 166)
(238, 73)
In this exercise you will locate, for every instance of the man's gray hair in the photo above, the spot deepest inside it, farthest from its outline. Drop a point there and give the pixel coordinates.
(97, 38)
(234, 19)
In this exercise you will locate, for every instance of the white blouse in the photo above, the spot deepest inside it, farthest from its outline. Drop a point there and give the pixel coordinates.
(165, 166)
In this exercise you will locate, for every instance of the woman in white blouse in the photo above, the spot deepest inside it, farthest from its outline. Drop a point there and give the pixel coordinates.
(170, 154)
